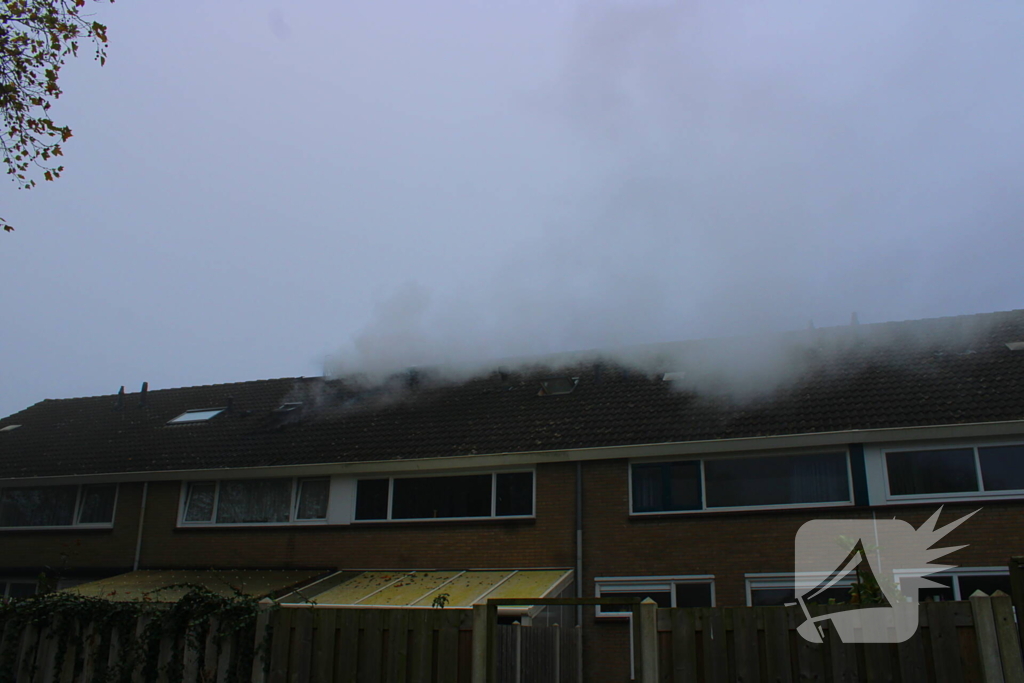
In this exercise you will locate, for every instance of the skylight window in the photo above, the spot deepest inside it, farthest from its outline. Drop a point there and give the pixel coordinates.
(558, 385)
(672, 376)
(288, 407)
(199, 415)
(1015, 345)
(9, 428)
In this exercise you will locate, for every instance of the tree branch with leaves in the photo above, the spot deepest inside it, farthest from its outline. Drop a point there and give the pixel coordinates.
(36, 37)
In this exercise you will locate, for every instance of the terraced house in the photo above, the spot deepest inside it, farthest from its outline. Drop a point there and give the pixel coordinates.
(675, 478)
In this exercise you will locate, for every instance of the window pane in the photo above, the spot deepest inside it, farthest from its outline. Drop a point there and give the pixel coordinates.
(39, 506)
(429, 497)
(199, 506)
(920, 472)
(313, 495)
(647, 488)
(254, 501)
(662, 597)
(664, 487)
(769, 597)
(372, 499)
(777, 480)
(97, 504)
(986, 584)
(1002, 467)
(693, 595)
(515, 494)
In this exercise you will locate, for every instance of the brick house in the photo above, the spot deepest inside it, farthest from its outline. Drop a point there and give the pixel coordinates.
(641, 479)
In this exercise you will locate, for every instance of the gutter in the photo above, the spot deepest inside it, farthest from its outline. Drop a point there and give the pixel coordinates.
(492, 460)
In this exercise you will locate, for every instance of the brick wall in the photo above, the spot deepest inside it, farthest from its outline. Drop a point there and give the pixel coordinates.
(76, 552)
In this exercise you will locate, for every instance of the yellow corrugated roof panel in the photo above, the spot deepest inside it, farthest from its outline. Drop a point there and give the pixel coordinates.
(419, 588)
(153, 584)
(464, 589)
(531, 583)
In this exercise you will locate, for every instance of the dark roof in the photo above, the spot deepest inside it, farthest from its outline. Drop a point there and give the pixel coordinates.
(928, 372)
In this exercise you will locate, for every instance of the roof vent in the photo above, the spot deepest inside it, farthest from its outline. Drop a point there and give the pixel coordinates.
(1015, 346)
(673, 376)
(556, 386)
(9, 428)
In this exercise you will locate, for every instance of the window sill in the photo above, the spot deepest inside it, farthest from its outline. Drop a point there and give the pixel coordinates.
(446, 521)
(72, 527)
(954, 497)
(741, 510)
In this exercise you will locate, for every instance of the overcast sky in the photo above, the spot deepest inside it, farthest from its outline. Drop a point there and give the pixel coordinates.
(255, 186)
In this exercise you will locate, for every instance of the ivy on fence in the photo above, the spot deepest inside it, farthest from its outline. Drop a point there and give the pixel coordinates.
(135, 628)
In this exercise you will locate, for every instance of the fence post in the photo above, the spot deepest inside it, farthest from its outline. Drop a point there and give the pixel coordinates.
(1006, 634)
(1017, 588)
(988, 645)
(479, 643)
(259, 669)
(649, 641)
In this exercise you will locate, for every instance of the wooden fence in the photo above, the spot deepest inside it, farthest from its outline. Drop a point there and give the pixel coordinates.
(957, 642)
(75, 652)
(538, 654)
(367, 646)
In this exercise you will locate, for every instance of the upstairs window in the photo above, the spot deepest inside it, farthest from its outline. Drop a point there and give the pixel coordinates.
(501, 494)
(256, 501)
(58, 506)
(730, 483)
(15, 589)
(953, 471)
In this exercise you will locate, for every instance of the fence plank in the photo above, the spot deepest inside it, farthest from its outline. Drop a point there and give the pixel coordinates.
(810, 656)
(913, 664)
(945, 644)
(347, 660)
(748, 668)
(878, 663)
(716, 662)
(448, 647)
(1017, 590)
(684, 647)
(1006, 634)
(370, 646)
(398, 645)
(985, 632)
(421, 661)
(324, 644)
(281, 622)
(301, 657)
(778, 667)
(842, 656)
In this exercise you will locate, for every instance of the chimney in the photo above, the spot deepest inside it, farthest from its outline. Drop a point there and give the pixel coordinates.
(230, 404)
(119, 405)
(853, 319)
(142, 394)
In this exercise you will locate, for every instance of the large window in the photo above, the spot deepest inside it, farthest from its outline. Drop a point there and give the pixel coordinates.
(666, 591)
(58, 506)
(953, 471)
(256, 501)
(726, 483)
(499, 494)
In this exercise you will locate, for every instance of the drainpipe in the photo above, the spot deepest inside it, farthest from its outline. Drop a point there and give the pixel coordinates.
(142, 522)
(579, 564)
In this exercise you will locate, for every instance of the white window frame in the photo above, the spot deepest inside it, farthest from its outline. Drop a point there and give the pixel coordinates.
(734, 508)
(293, 505)
(494, 496)
(955, 574)
(876, 466)
(75, 524)
(794, 580)
(608, 586)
